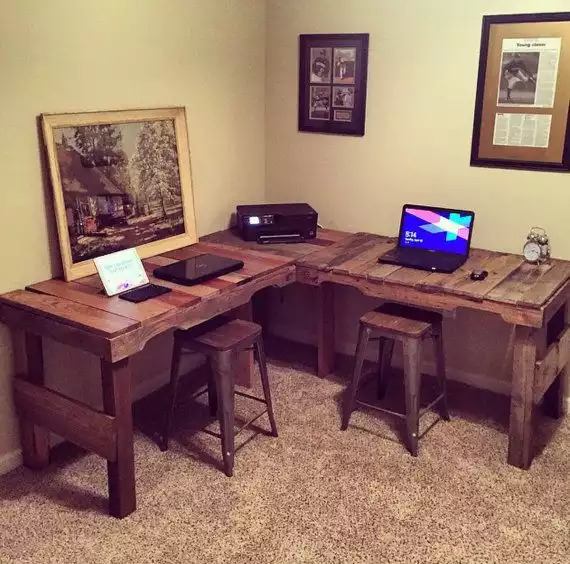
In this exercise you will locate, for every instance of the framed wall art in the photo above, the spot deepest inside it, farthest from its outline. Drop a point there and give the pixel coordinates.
(332, 83)
(523, 93)
(120, 179)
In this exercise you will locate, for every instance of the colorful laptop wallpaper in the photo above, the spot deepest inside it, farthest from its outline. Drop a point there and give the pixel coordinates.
(436, 230)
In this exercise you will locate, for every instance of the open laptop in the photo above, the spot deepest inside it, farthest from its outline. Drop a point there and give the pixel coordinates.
(197, 269)
(123, 274)
(430, 238)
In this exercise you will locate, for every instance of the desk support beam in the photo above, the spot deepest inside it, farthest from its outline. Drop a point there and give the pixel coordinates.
(522, 397)
(117, 402)
(555, 396)
(325, 329)
(35, 440)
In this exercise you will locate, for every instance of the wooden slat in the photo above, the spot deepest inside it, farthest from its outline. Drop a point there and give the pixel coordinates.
(378, 272)
(548, 368)
(72, 420)
(89, 296)
(521, 416)
(520, 281)
(498, 265)
(407, 277)
(71, 313)
(293, 251)
(366, 257)
(247, 255)
(320, 260)
(546, 285)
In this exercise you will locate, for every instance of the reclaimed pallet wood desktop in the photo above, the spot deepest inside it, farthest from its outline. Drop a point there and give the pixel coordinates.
(77, 314)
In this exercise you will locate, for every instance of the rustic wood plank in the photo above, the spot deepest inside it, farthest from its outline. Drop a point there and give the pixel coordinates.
(521, 418)
(117, 402)
(407, 277)
(366, 257)
(325, 330)
(247, 255)
(33, 322)
(548, 368)
(546, 285)
(498, 265)
(321, 260)
(294, 250)
(378, 272)
(34, 439)
(89, 296)
(68, 418)
(514, 286)
(74, 314)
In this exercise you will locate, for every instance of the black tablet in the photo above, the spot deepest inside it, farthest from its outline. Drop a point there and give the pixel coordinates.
(197, 269)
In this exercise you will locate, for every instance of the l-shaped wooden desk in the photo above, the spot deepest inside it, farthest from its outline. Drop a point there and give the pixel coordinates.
(532, 298)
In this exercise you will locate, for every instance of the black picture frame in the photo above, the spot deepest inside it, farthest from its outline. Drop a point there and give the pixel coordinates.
(488, 149)
(332, 83)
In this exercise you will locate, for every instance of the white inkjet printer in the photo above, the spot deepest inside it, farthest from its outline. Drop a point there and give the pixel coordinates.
(277, 223)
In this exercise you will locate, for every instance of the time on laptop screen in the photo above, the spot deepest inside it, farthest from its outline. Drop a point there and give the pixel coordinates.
(436, 230)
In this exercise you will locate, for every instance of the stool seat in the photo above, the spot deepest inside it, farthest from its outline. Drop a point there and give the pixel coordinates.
(395, 326)
(410, 312)
(219, 335)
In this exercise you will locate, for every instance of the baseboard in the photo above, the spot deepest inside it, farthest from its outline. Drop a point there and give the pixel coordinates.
(10, 461)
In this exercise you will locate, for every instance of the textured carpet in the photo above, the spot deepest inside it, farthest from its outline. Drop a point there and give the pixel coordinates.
(315, 494)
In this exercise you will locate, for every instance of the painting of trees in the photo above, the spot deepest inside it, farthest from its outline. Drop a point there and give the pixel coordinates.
(155, 165)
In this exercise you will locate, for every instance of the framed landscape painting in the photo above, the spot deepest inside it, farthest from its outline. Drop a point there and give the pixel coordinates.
(121, 179)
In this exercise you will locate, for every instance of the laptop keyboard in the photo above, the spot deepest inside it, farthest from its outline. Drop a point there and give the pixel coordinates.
(145, 292)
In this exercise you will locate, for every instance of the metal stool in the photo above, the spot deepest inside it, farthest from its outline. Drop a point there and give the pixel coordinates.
(221, 340)
(389, 323)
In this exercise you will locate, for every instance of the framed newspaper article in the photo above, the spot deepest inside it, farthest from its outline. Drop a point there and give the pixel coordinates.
(332, 83)
(523, 93)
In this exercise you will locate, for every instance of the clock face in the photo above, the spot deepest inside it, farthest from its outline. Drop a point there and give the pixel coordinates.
(531, 252)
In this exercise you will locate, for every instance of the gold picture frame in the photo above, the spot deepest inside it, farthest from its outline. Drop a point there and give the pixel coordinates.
(120, 179)
(523, 93)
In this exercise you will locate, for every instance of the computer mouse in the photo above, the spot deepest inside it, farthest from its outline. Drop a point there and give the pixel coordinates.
(478, 274)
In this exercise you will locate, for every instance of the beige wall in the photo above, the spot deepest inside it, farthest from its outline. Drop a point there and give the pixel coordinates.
(67, 56)
(422, 74)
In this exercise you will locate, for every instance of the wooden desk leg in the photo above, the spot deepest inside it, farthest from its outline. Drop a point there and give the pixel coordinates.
(117, 401)
(35, 440)
(522, 404)
(244, 366)
(325, 329)
(555, 397)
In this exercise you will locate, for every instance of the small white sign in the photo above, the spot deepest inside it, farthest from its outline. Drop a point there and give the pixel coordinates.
(121, 271)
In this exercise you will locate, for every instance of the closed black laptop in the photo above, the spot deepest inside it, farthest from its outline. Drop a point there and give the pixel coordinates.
(430, 238)
(197, 269)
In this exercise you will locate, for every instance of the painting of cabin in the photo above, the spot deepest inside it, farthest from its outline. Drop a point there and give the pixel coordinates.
(121, 186)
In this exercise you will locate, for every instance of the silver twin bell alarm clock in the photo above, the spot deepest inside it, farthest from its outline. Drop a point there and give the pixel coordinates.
(536, 250)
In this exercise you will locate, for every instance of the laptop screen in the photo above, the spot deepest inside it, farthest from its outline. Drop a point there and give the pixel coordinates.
(436, 229)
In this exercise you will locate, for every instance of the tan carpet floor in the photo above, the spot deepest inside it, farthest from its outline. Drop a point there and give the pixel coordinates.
(314, 495)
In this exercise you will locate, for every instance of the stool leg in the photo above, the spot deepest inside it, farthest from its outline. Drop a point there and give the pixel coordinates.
(173, 388)
(212, 396)
(258, 346)
(385, 350)
(440, 370)
(223, 366)
(363, 336)
(412, 378)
